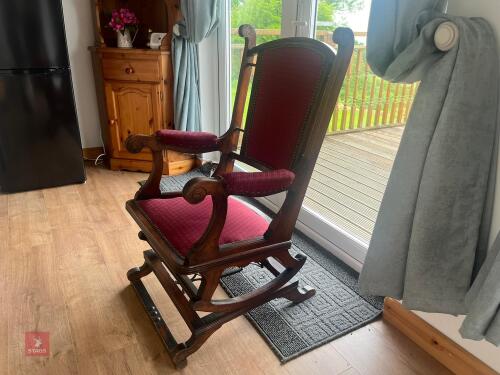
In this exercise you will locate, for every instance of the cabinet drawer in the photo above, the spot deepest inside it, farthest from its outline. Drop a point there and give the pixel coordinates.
(131, 70)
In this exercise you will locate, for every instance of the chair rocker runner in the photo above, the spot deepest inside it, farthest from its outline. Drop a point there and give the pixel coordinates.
(202, 230)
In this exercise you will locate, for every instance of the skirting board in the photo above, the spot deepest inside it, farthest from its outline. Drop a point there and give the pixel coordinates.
(92, 153)
(439, 346)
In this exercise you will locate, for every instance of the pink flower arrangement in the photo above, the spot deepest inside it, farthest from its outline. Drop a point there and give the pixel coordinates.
(123, 19)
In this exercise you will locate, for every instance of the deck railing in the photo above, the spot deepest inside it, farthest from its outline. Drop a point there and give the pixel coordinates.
(366, 101)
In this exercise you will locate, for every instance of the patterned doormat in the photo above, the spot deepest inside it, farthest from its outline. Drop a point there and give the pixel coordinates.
(293, 329)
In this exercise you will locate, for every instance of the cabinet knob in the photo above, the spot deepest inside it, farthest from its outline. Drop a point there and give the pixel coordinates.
(112, 122)
(129, 70)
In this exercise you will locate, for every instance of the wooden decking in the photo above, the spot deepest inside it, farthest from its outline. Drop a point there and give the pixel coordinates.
(350, 177)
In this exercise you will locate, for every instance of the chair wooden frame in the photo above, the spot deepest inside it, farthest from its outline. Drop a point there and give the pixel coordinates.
(209, 259)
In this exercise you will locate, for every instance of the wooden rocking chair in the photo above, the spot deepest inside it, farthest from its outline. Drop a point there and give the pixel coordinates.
(202, 230)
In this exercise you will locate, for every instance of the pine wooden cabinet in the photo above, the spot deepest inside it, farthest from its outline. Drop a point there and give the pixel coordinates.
(133, 109)
(134, 89)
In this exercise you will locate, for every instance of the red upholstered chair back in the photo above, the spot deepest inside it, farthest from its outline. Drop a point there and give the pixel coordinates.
(289, 80)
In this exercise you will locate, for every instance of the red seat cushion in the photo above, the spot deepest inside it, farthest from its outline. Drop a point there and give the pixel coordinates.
(182, 223)
(189, 140)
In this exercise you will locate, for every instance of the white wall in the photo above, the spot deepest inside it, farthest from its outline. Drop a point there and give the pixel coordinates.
(209, 85)
(488, 353)
(80, 35)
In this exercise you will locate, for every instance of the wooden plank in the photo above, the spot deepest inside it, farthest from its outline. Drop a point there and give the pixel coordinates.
(346, 156)
(401, 106)
(394, 104)
(365, 351)
(364, 154)
(338, 220)
(324, 194)
(352, 180)
(362, 123)
(352, 124)
(387, 100)
(379, 106)
(349, 182)
(32, 294)
(378, 144)
(439, 346)
(371, 110)
(345, 104)
(394, 132)
(391, 142)
(343, 190)
(364, 144)
(341, 162)
(332, 206)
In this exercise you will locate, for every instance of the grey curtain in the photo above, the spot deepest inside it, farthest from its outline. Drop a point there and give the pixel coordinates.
(200, 20)
(430, 239)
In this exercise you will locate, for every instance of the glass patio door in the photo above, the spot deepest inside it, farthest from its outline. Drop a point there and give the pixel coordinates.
(351, 174)
(343, 197)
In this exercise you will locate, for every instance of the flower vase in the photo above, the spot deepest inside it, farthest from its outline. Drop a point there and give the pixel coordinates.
(124, 39)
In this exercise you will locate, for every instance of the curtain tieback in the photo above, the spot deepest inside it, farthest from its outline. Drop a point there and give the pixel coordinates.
(446, 36)
(176, 30)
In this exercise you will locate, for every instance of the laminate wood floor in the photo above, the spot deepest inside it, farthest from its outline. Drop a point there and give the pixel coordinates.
(64, 253)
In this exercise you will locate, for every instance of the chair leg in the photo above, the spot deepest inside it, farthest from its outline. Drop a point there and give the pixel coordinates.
(300, 294)
(295, 295)
(221, 311)
(137, 273)
(201, 329)
(210, 282)
(178, 352)
(197, 339)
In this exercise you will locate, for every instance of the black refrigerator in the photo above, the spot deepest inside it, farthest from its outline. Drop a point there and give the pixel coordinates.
(40, 142)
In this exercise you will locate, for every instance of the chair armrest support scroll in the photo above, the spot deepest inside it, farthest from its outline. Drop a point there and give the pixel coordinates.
(198, 188)
(135, 144)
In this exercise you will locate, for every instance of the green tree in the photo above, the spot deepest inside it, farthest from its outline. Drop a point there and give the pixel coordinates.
(266, 14)
(351, 5)
(325, 11)
(262, 14)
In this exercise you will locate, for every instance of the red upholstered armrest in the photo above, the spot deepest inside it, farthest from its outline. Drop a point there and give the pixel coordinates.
(257, 184)
(194, 142)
